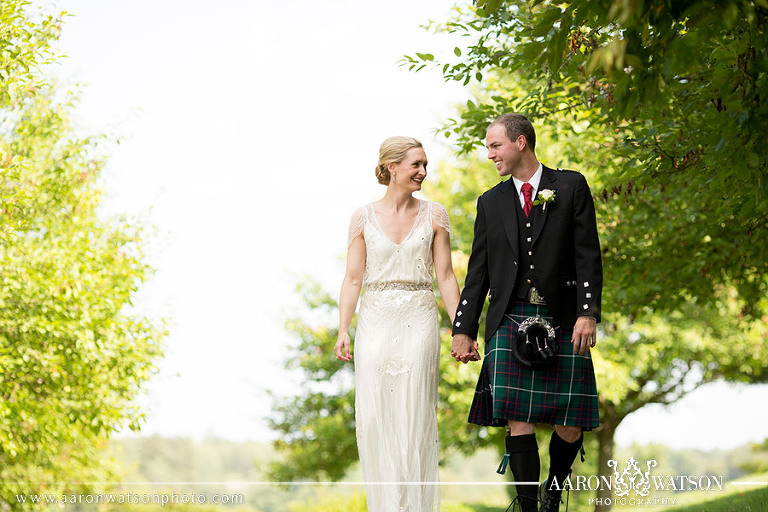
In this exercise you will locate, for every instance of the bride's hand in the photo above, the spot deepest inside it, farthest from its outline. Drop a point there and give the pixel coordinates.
(342, 347)
(464, 348)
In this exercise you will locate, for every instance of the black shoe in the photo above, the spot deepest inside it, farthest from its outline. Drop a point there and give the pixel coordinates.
(550, 499)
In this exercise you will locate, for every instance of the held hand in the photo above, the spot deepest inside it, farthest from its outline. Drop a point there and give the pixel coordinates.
(342, 347)
(584, 334)
(464, 348)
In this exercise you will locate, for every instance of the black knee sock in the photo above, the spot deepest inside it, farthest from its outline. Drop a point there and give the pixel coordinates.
(525, 466)
(561, 457)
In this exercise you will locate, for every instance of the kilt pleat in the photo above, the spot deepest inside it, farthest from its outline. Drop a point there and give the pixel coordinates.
(563, 394)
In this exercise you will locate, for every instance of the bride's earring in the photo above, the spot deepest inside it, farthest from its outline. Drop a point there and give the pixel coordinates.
(394, 178)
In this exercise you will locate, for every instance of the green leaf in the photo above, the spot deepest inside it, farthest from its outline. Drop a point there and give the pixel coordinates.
(490, 6)
(546, 21)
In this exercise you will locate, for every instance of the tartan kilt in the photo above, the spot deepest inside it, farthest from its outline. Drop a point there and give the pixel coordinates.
(563, 394)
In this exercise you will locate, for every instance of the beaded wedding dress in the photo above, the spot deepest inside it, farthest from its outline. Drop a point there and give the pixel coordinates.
(396, 354)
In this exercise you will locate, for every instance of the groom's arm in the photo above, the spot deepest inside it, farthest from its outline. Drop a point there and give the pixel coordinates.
(476, 284)
(588, 257)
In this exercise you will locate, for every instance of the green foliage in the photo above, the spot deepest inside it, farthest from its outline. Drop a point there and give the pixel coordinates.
(333, 503)
(25, 39)
(668, 102)
(72, 355)
(25, 43)
(658, 359)
(747, 500)
(730, 464)
(662, 106)
(457, 185)
(208, 467)
(758, 462)
(317, 425)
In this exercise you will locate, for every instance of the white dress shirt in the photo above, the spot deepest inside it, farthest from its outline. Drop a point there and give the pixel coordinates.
(534, 181)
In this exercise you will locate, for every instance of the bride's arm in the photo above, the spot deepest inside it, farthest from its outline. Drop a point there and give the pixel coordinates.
(446, 279)
(350, 292)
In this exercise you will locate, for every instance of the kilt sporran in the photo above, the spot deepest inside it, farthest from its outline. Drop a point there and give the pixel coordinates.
(535, 346)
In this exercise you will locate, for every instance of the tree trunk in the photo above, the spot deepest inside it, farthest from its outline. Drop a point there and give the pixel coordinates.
(605, 453)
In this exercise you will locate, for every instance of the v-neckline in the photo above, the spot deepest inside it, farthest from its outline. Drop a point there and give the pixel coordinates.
(413, 227)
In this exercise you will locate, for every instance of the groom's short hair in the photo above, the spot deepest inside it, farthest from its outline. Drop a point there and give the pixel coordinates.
(516, 125)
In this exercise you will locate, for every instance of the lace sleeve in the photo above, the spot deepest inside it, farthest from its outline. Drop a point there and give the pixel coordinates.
(440, 218)
(356, 225)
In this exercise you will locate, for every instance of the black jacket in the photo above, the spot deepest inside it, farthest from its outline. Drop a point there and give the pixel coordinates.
(566, 254)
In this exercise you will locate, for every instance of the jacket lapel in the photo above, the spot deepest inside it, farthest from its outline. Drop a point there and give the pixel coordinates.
(548, 179)
(509, 217)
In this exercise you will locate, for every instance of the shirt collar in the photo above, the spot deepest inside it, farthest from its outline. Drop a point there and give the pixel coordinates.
(534, 181)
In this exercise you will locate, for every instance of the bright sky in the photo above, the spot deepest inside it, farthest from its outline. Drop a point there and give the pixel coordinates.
(249, 133)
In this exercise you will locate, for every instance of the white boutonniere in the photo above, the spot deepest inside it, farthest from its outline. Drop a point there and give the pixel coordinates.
(545, 196)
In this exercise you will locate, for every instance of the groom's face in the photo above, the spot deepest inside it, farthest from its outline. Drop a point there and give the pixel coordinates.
(504, 152)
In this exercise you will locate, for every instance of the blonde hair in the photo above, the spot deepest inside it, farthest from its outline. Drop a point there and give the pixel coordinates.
(393, 151)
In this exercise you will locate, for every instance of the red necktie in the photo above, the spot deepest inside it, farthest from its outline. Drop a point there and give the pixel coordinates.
(527, 193)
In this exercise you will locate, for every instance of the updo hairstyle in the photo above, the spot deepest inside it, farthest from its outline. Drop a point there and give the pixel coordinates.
(392, 151)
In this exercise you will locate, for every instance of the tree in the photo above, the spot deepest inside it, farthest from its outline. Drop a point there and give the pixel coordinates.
(668, 95)
(317, 424)
(23, 47)
(631, 93)
(73, 355)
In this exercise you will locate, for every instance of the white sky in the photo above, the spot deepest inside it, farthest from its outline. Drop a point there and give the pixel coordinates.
(249, 133)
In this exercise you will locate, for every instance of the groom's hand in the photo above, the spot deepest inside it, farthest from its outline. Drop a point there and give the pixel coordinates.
(584, 334)
(464, 348)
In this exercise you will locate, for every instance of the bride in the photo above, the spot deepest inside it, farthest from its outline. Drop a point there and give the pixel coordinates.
(395, 244)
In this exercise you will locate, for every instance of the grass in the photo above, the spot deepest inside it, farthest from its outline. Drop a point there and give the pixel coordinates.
(461, 507)
(733, 498)
(755, 500)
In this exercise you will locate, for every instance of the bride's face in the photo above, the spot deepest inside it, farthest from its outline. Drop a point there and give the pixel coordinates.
(412, 170)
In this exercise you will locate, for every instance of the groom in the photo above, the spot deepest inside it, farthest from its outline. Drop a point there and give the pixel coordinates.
(532, 256)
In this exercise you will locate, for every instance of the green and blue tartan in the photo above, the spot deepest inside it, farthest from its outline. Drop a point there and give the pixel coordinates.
(563, 394)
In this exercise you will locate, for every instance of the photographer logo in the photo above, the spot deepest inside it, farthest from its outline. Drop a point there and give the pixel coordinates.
(634, 484)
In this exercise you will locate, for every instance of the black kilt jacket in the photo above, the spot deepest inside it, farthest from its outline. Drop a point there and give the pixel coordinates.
(565, 254)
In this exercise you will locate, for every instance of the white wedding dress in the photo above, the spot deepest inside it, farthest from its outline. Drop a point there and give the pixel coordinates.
(396, 354)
